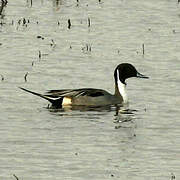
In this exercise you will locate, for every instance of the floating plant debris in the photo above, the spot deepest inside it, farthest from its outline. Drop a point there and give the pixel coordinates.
(69, 24)
(87, 48)
(3, 4)
(143, 48)
(39, 54)
(40, 37)
(16, 177)
(2, 77)
(89, 22)
(24, 21)
(25, 77)
(52, 43)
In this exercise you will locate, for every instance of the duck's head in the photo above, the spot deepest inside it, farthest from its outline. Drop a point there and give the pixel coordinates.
(124, 71)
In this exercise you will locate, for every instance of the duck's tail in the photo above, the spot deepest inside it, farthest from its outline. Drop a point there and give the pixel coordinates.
(55, 101)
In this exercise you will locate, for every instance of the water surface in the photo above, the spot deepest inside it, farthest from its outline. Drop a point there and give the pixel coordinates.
(38, 143)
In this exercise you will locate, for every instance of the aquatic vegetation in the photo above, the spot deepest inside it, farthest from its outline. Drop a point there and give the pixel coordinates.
(3, 4)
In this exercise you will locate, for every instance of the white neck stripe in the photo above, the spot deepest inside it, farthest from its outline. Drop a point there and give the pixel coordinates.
(122, 88)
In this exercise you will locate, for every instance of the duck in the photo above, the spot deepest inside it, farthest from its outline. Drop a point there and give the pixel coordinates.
(90, 96)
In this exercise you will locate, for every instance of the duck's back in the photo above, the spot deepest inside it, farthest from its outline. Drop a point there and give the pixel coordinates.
(86, 97)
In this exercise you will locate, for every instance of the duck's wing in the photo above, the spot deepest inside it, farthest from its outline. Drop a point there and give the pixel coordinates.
(76, 92)
(81, 96)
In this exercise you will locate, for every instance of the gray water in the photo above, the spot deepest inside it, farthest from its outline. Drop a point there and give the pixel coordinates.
(39, 143)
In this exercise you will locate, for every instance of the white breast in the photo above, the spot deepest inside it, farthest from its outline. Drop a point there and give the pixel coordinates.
(122, 88)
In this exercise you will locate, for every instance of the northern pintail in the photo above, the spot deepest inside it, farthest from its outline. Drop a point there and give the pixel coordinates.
(93, 97)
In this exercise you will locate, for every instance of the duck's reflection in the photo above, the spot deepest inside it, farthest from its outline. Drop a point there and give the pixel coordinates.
(83, 108)
(122, 114)
(124, 118)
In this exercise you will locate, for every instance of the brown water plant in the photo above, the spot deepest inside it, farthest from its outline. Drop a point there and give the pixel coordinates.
(3, 4)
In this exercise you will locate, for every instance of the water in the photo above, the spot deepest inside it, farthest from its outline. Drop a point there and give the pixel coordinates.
(38, 143)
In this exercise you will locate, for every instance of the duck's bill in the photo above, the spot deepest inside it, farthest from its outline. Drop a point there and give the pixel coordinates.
(139, 75)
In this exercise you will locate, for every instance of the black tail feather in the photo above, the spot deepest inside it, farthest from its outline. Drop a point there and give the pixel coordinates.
(55, 101)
